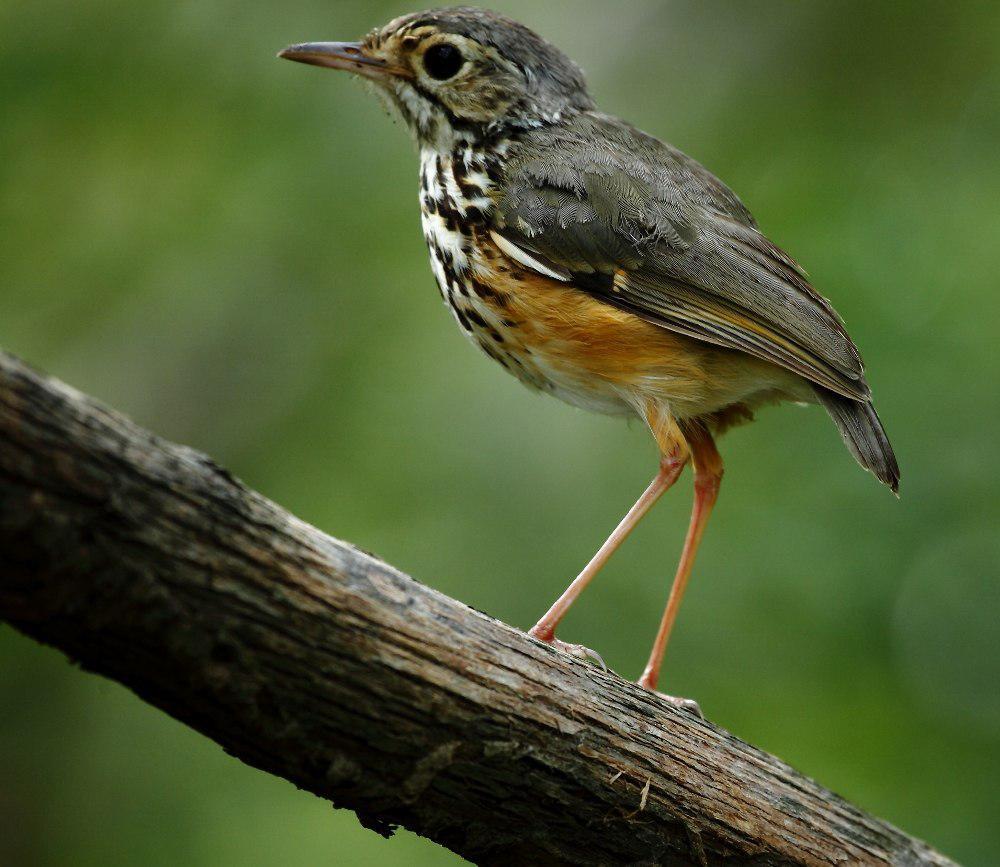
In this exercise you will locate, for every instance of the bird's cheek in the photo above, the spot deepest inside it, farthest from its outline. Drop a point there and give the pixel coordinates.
(480, 103)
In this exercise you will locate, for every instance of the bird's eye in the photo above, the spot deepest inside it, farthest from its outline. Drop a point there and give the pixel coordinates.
(442, 61)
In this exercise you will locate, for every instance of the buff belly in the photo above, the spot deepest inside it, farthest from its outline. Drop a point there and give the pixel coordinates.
(558, 339)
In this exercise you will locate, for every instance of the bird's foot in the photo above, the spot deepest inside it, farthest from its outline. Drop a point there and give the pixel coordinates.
(587, 654)
(578, 651)
(689, 705)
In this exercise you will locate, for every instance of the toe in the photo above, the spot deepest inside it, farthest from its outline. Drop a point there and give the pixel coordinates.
(689, 705)
(686, 704)
(580, 652)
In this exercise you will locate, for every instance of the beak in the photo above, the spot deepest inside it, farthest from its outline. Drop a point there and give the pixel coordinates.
(350, 56)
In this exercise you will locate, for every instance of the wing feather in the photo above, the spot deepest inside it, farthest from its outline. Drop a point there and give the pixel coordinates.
(643, 227)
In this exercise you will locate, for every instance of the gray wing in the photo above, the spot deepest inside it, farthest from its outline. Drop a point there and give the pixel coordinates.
(641, 226)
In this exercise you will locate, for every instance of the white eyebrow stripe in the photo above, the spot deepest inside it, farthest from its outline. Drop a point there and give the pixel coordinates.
(519, 255)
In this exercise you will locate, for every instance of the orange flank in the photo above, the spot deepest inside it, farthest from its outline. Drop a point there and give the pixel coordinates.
(598, 356)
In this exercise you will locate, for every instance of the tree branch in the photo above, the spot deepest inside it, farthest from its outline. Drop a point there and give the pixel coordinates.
(311, 660)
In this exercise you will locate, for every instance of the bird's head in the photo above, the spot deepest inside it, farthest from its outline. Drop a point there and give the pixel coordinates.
(459, 73)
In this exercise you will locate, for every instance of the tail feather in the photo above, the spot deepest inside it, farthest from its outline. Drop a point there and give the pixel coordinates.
(864, 435)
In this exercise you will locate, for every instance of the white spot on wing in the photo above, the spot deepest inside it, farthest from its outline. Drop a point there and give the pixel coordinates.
(519, 255)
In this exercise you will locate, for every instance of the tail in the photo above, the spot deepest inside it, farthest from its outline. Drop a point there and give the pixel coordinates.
(864, 435)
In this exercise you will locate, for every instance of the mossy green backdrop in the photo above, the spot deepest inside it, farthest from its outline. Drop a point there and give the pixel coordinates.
(226, 247)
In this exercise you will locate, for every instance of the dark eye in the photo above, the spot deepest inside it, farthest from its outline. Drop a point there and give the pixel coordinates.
(442, 61)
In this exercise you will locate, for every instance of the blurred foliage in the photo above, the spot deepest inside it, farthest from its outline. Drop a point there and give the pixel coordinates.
(226, 247)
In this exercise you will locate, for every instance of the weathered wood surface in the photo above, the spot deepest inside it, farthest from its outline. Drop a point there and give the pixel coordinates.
(307, 658)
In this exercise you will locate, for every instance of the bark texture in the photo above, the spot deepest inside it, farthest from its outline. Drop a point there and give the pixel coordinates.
(309, 659)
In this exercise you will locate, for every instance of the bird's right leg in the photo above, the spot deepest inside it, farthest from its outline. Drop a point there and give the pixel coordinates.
(675, 455)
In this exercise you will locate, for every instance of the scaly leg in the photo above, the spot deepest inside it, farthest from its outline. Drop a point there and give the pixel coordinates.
(707, 476)
(545, 629)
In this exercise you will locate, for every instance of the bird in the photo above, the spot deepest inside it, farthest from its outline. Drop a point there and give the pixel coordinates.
(603, 266)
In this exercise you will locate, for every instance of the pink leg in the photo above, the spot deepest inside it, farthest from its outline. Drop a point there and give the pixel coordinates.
(707, 476)
(545, 629)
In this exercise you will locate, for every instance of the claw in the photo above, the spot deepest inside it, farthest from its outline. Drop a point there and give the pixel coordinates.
(577, 651)
(688, 705)
(580, 652)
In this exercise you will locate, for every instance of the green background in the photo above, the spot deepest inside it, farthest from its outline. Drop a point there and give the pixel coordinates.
(226, 247)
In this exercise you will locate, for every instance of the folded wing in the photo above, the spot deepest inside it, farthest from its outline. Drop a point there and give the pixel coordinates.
(645, 228)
